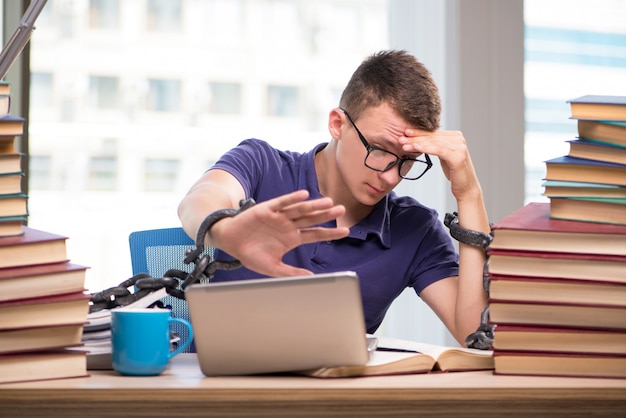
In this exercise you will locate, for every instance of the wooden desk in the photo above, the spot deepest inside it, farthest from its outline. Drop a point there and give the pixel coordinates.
(183, 391)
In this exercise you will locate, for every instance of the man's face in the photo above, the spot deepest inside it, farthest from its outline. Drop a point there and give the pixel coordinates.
(381, 128)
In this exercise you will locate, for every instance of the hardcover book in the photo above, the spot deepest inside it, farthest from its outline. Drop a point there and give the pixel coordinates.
(613, 132)
(44, 311)
(596, 150)
(599, 107)
(580, 169)
(589, 209)
(530, 228)
(598, 267)
(32, 247)
(550, 339)
(42, 365)
(560, 364)
(503, 312)
(41, 280)
(580, 189)
(556, 290)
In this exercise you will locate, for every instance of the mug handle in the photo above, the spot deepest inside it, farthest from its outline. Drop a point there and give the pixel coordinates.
(188, 340)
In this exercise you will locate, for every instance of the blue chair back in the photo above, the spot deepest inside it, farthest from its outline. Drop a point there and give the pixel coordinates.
(156, 251)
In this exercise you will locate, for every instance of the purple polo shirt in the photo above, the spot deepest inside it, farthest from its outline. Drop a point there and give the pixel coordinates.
(400, 244)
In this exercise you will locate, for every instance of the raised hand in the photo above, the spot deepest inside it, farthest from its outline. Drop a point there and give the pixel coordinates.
(260, 236)
(451, 149)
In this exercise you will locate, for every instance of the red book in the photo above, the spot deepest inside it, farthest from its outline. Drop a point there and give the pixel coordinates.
(551, 339)
(70, 308)
(43, 365)
(566, 315)
(597, 267)
(40, 338)
(560, 364)
(41, 280)
(530, 228)
(556, 290)
(31, 248)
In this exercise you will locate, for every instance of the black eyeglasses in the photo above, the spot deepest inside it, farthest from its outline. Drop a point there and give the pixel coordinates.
(381, 160)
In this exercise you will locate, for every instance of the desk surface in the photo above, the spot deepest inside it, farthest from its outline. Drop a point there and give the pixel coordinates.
(183, 391)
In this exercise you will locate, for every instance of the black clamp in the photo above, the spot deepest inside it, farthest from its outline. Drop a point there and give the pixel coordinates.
(205, 268)
(466, 236)
(482, 338)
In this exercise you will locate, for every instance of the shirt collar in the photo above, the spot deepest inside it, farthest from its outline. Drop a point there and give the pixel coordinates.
(376, 223)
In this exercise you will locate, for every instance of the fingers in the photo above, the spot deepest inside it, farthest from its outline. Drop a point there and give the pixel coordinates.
(285, 200)
(439, 143)
(304, 213)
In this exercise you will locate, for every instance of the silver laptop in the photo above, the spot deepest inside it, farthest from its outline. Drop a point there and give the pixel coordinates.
(278, 324)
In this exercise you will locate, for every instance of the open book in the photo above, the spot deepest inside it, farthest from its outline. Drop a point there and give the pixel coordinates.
(395, 356)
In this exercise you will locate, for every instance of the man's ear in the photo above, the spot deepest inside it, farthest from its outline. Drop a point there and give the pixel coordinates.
(336, 120)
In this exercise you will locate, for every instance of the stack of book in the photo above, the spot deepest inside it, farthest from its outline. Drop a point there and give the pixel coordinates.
(13, 208)
(43, 304)
(557, 295)
(43, 307)
(589, 183)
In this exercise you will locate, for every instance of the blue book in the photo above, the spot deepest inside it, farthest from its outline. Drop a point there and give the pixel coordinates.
(567, 168)
(597, 150)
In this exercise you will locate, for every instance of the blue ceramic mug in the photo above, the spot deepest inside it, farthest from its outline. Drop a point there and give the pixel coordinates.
(141, 341)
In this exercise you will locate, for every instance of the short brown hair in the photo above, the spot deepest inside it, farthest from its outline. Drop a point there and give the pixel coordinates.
(398, 79)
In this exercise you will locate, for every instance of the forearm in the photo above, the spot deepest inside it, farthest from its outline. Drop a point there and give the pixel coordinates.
(215, 190)
(471, 296)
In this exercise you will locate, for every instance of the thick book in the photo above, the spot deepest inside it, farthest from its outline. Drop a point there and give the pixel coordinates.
(11, 183)
(595, 150)
(11, 226)
(11, 162)
(598, 107)
(604, 267)
(31, 248)
(7, 144)
(41, 280)
(580, 169)
(13, 204)
(40, 338)
(556, 290)
(503, 312)
(589, 209)
(560, 364)
(603, 130)
(44, 365)
(530, 228)
(579, 189)
(45, 311)
(550, 339)
(5, 103)
(11, 125)
(395, 356)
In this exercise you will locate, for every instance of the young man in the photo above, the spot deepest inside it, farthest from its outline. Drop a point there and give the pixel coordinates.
(334, 208)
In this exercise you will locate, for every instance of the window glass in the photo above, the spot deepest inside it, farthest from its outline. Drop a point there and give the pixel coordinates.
(225, 98)
(567, 55)
(104, 14)
(164, 15)
(163, 95)
(124, 122)
(103, 92)
(41, 90)
(160, 175)
(283, 101)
